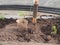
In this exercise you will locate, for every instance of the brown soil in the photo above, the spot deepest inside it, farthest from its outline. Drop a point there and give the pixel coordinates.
(40, 32)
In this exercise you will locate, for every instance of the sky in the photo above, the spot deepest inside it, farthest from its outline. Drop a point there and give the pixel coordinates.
(48, 3)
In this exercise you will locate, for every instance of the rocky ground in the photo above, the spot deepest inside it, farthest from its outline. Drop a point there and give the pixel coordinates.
(41, 32)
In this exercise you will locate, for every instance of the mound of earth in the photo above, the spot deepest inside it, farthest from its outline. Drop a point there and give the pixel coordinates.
(41, 32)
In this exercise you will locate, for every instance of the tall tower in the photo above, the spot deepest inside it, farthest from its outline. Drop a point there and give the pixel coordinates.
(35, 10)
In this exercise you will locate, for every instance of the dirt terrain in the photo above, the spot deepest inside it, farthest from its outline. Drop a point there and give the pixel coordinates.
(40, 32)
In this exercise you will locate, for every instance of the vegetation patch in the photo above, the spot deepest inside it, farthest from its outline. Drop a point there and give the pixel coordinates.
(2, 17)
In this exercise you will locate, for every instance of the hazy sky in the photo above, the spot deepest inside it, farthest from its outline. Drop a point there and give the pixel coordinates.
(49, 3)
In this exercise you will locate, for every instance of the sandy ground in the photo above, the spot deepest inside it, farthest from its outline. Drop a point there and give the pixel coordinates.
(14, 33)
(24, 43)
(21, 43)
(16, 12)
